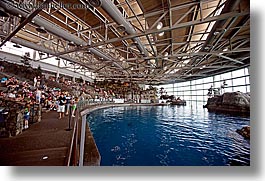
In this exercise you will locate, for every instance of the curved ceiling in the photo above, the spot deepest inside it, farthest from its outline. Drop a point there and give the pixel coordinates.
(120, 40)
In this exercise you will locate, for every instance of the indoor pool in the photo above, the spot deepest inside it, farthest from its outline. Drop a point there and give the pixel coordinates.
(168, 135)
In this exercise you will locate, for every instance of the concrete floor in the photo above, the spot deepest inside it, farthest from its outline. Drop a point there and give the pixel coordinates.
(44, 144)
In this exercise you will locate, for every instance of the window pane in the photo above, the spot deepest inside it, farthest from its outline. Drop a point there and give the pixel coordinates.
(200, 92)
(246, 71)
(200, 86)
(208, 79)
(228, 89)
(239, 81)
(200, 98)
(238, 73)
(247, 80)
(228, 82)
(226, 76)
(217, 78)
(193, 87)
(169, 89)
(248, 88)
(240, 88)
(186, 83)
(207, 86)
(217, 84)
(199, 81)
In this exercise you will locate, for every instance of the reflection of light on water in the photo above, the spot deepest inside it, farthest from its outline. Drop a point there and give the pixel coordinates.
(169, 136)
(116, 149)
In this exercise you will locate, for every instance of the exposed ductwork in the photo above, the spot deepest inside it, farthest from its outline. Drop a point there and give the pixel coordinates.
(54, 29)
(114, 12)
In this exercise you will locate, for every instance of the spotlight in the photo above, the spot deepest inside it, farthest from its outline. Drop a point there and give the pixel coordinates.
(41, 29)
(161, 34)
(17, 46)
(159, 25)
(121, 28)
(95, 3)
(71, 44)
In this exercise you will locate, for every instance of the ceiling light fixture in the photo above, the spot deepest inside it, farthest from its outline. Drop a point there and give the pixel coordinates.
(17, 46)
(121, 28)
(41, 29)
(216, 33)
(71, 44)
(159, 25)
(95, 3)
(161, 34)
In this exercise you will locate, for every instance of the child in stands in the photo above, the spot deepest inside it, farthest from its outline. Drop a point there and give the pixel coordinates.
(26, 116)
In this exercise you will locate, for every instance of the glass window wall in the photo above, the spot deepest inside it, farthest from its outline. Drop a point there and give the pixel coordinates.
(196, 90)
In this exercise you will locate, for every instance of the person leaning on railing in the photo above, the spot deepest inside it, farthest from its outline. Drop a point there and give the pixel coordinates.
(74, 104)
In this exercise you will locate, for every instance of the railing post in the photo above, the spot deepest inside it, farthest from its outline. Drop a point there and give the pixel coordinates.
(82, 141)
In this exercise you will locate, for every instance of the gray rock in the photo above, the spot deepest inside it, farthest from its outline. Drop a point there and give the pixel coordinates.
(245, 132)
(231, 102)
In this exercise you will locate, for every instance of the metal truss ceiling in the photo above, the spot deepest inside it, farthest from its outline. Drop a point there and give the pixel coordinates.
(198, 38)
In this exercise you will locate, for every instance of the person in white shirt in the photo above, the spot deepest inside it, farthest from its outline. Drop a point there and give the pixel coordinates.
(38, 96)
(35, 81)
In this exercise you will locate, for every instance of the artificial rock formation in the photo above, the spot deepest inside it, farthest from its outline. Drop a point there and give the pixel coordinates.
(13, 122)
(245, 132)
(230, 102)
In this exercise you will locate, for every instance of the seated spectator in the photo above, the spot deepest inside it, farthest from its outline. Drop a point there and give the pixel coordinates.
(12, 95)
(2, 68)
(3, 80)
(19, 97)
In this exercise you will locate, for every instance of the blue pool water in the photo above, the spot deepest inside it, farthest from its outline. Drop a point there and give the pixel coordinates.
(168, 135)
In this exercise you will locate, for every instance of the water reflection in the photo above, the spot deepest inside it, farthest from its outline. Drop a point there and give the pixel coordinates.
(168, 135)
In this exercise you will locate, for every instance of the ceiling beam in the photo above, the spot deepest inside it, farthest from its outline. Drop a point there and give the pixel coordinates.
(25, 21)
(155, 31)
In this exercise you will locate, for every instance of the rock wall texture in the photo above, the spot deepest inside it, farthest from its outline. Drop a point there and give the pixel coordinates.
(230, 102)
(12, 123)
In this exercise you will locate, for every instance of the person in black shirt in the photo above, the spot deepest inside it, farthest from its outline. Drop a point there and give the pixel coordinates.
(61, 105)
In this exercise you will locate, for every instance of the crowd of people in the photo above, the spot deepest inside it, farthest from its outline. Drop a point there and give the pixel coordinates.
(37, 93)
(59, 95)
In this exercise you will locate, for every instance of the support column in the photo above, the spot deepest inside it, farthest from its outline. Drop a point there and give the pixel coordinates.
(58, 71)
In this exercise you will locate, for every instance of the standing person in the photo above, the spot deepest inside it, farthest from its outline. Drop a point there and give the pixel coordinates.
(61, 105)
(42, 81)
(38, 81)
(68, 101)
(74, 104)
(35, 81)
(26, 116)
(38, 96)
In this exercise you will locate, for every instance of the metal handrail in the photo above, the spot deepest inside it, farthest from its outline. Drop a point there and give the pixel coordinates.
(73, 152)
(71, 145)
(72, 159)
